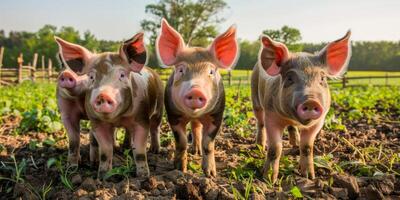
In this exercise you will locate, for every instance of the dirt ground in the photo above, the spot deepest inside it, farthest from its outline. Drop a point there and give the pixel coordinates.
(167, 183)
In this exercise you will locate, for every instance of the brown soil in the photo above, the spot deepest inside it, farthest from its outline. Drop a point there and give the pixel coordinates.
(167, 183)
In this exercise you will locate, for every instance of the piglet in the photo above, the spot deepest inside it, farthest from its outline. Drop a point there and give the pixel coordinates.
(122, 92)
(291, 90)
(195, 92)
(71, 88)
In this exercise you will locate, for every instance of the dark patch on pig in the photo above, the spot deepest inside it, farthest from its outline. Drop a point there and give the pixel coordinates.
(218, 112)
(271, 154)
(103, 157)
(76, 65)
(176, 136)
(93, 141)
(73, 146)
(306, 150)
(140, 157)
(206, 150)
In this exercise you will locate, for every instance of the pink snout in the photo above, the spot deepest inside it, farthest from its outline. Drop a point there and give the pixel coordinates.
(309, 110)
(67, 80)
(104, 103)
(195, 99)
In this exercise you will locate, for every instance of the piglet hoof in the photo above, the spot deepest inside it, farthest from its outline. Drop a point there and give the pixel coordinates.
(102, 175)
(210, 173)
(195, 150)
(179, 165)
(269, 175)
(73, 161)
(142, 173)
(307, 173)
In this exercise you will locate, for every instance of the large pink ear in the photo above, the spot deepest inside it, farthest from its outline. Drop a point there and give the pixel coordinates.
(225, 48)
(337, 55)
(72, 55)
(169, 44)
(134, 51)
(272, 55)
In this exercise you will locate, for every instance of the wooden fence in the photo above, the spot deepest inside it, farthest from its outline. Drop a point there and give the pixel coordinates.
(15, 75)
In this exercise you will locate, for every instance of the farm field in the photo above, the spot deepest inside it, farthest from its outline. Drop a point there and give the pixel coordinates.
(357, 154)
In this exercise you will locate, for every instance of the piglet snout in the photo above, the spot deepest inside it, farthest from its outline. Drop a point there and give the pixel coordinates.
(104, 103)
(67, 79)
(309, 110)
(195, 99)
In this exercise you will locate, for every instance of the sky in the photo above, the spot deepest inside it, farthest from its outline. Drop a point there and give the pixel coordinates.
(317, 20)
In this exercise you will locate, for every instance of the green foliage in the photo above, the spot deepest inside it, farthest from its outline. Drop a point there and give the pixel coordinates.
(125, 170)
(295, 191)
(288, 36)
(372, 103)
(42, 42)
(35, 103)
(196, 21)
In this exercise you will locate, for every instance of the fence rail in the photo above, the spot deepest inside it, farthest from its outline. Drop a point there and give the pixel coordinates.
(15, 75)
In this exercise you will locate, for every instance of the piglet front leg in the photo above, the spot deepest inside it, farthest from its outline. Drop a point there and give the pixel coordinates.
(307, 137)
(70, 118)
(139, 141)
(104, 134)
(196, 137)
(274, 139)
(179, 131)
(211, 126)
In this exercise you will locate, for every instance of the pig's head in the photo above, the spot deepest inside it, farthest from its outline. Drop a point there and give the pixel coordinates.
(111, 87)
(196, 82)
(303, 89)
(74, 59)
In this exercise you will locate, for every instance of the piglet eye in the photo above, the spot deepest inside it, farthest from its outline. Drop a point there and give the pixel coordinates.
(211, 72)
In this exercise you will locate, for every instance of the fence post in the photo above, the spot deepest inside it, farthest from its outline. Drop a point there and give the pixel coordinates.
(20, 61)
(49, 72)
(344, 81)
(43, 65)
(33, 70)
(1, 60)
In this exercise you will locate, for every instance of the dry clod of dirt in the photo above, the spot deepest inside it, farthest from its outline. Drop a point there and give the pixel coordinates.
(89, 184)
(340, 193)
(76, 180)
(371, 193)
(150, 183)
(80, 192)
(188, 191)
(348, 182)
(174, 175)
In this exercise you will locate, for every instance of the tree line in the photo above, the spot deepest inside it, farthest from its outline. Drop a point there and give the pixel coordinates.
(197, 21)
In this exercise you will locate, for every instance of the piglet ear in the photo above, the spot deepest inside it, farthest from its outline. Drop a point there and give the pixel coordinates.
(169, 44)
(272, 55)
(225, 48)
(336, 55)
(134, 51)
(72, 55)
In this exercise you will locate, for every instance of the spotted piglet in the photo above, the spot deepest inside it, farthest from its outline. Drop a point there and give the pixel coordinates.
(195, 92)
(71, 87)
(291, 90)
(122, 92)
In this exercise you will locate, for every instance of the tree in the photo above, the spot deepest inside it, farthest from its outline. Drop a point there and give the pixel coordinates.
(287, 35)
(196, 21)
